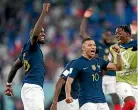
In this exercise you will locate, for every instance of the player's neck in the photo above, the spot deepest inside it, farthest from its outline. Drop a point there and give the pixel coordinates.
(128, 40)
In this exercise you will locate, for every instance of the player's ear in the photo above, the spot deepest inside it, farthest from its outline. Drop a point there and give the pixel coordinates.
(83, 47)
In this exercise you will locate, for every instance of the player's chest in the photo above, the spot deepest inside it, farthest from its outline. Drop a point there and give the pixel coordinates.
(34, 55)
(90, 68)
(128, 53)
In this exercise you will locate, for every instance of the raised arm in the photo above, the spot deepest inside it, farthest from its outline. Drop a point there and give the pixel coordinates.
(118, 65)
(58, 88)
(83, 25)
(17, 65)
(39, 24)
(69, 81)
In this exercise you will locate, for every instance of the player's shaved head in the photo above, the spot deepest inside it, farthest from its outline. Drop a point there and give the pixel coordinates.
(86, 39)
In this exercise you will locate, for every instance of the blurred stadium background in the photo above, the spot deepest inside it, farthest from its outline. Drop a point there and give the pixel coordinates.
(63, 36)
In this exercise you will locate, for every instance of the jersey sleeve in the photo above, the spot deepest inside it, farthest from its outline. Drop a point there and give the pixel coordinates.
(66, 71)
(103, 64)
(75, 69)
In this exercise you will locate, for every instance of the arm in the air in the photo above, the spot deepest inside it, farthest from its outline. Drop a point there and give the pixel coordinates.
(38, 26)
(83, 25)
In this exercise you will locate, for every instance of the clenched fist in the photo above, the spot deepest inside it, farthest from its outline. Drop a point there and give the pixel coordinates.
(8, 91)
(88, 13)
(46, 7)
(69, 99)
(116, 48)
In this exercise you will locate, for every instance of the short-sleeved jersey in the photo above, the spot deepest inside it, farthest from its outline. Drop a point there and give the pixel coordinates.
(129, 73)
(74, 86)
(103, 53)
(89, 74)
(32, 59)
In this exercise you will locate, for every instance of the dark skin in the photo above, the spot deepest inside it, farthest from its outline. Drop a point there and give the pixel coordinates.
(17, 65)
(58, 88)
(37, 35)
(122, 36)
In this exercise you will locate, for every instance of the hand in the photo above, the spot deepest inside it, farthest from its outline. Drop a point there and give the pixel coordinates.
(69, 100)
(8, 91)
(46, 7)
(53, 106)
(116, 48)
(88, 13)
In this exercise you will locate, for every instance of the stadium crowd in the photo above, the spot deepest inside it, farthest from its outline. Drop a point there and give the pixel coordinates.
(62, 32)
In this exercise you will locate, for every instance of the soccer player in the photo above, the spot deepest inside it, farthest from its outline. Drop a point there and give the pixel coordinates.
(32, 59)
(127, 78)
(59, 102)
(109, 78)
(88, 69)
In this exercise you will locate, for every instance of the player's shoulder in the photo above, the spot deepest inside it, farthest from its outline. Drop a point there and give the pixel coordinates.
(77, 62)
(132, 43)
(68, 65)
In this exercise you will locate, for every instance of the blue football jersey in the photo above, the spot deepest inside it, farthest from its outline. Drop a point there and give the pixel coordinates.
(89, 74)
(103, 53)
(32, 59)
(74, 86)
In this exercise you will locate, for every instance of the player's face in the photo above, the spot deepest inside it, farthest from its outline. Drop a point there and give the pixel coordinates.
(107, 37)
(90, 48)
(41, 37)
(121, 36)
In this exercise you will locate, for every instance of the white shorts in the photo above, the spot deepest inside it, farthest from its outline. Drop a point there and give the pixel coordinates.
(109, 84)
(32, 96)
(124, 89)
(62, 105)
(95, 106)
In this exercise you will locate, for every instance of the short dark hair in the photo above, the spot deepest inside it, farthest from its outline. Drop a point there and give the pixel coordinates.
(125, 28)
(86, 39)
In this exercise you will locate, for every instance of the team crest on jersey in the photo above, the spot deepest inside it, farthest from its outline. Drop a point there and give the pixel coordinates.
(93, 67)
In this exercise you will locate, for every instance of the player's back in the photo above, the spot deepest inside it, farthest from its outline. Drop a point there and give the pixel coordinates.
(32, 59)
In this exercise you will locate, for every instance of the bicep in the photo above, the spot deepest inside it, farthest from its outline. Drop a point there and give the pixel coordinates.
(111, 66)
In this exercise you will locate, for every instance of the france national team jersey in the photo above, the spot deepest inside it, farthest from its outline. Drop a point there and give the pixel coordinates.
(75, 84)
(32, 59)
(103, 53)
(89, 75)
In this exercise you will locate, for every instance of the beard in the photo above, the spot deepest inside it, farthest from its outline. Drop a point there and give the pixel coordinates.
(41, 42)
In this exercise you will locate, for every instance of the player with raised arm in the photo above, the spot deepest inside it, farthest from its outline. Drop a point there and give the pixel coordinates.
(127, 78)
(109, 78)
(59, 102)
(32, 60)
(88, 69)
